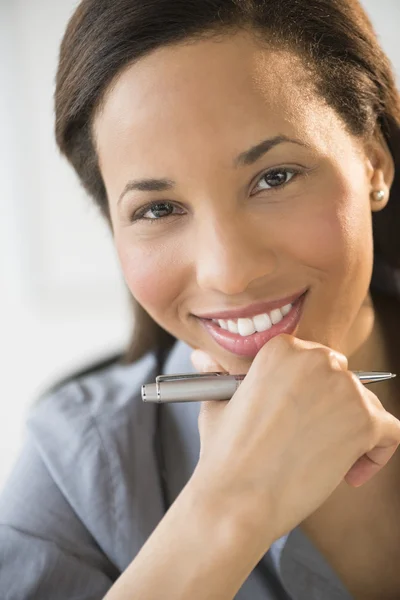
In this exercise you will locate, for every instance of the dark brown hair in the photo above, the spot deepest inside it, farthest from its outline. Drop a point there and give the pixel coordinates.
(334, 38)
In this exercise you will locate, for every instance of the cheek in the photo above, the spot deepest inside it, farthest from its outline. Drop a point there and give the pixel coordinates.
(152, 276)
(333, 232)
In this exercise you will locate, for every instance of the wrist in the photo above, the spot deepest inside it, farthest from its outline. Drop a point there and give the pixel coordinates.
(236, 521)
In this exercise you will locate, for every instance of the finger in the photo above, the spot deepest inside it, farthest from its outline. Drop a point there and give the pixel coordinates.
(374, 460)
(338, 356)
(204, 363)
(381, 455)
(341, 359)
(362, 471)
(368, 465)
(209, 411)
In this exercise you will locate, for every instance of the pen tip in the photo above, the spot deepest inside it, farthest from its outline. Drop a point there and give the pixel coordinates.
(393, 375)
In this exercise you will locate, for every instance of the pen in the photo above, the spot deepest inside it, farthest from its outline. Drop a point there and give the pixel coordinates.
(197, 387)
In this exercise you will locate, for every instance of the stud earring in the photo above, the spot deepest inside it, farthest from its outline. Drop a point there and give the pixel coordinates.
(378, 195)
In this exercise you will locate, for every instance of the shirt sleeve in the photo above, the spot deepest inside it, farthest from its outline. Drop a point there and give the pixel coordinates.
(46, 552)
(85, 493)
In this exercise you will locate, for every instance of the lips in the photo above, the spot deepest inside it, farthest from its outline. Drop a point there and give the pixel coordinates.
(254, 309)
(249, 346)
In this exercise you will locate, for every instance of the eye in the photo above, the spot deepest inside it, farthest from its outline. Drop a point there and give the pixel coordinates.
(157, 210)
(277, 177)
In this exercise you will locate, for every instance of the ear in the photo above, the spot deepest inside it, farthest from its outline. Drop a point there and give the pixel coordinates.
(380, 168)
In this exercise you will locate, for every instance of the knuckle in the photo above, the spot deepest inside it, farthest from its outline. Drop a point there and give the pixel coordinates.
(321, 357)
(369, 416)
(348, 386)
(370, 426)
(338, 361)
(321, 353)
(348, 379)
(278, 344)
(352, 390)
(327, 359)
(274, 352)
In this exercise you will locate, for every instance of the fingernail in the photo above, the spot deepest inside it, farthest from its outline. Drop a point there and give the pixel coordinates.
(202, 360)
(199, 357)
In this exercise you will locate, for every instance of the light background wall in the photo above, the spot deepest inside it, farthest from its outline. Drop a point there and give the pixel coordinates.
(63, 302)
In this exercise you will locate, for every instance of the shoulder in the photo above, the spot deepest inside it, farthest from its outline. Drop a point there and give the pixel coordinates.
(95, 437)
(96, 395)
(89, 412)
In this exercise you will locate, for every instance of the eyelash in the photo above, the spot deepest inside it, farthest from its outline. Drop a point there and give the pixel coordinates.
(139, 215)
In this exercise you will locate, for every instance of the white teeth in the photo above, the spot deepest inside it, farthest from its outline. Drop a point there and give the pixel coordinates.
(233, 327)
(246, 327)
(262, 322)
(276, 316)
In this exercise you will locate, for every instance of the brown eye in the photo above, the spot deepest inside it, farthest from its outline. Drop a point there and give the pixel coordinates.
(162, 209)
(275, 178)
(156, 211)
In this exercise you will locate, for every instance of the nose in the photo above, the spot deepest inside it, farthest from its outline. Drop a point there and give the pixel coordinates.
(232, 255)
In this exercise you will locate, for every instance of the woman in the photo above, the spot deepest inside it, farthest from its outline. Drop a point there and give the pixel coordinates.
(245, 155)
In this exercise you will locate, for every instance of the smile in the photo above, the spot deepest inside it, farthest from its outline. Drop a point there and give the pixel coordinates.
(246, 336)
(262, 322)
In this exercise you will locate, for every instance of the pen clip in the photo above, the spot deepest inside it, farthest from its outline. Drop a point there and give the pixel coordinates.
(182, 376)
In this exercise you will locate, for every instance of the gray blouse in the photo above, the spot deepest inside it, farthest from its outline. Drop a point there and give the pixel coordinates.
(98, 470)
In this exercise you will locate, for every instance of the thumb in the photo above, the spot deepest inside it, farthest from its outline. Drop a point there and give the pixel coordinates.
(210, 411)
(204, 363)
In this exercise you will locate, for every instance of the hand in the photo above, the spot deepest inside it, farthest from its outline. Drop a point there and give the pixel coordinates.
(298, 425)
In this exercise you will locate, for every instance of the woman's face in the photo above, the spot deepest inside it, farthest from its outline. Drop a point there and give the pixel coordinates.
(224, 230)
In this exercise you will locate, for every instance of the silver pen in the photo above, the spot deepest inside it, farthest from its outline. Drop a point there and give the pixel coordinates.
(197, 387)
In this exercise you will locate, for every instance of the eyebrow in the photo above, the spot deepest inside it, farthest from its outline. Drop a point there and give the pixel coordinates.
(244, 159)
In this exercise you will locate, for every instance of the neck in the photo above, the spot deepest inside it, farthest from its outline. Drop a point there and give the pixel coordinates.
(338, 527)
(371, 346)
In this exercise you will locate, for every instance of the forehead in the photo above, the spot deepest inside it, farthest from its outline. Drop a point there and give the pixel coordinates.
(224, 93)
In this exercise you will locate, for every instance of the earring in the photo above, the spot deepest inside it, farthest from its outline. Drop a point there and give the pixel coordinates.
(378, 195)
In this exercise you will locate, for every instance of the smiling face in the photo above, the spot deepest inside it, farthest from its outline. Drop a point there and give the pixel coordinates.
(226, 228)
